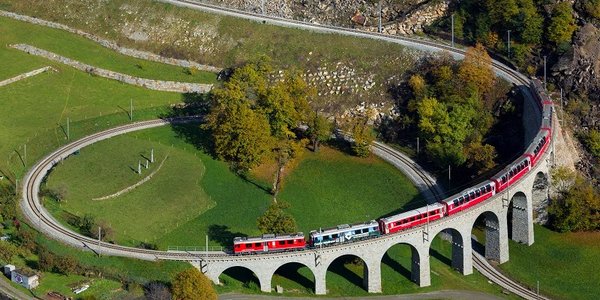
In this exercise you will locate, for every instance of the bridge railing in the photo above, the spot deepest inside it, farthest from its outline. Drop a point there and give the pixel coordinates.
(196, 248)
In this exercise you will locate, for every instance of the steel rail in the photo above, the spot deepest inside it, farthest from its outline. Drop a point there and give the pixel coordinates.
(38, 172)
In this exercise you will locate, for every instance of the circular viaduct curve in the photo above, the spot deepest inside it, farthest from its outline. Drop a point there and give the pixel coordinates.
(370, 251)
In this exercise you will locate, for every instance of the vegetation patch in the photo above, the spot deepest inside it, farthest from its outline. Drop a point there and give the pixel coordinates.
(563, 263)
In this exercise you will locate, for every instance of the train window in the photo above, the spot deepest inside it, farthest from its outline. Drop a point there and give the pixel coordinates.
(335, 236)
(357, 231)
(478, 193)
(455, 202)
(289, 242)
(365, 230)
(398, 223)
(488, 188)
(248, 245)
(257, 244)
(472, 195)
(281, 242)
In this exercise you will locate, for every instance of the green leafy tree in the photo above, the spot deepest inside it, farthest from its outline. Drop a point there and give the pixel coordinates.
(592, 142)
(319, 130)
(480, 157)
(562, 24)
(8, 251)
(276, 220)
(529, 25)
(577, 208)
(193, 285)
(362, 136)
(592, 7)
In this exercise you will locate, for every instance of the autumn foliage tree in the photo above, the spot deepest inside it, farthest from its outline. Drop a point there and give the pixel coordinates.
(476, 69)
(362, 136)
(319, 130)
(193, 285)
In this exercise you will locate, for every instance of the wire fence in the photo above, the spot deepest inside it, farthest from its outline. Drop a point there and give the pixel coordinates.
(20, 159)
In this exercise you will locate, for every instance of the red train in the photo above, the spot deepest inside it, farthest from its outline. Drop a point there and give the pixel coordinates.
(417, 217)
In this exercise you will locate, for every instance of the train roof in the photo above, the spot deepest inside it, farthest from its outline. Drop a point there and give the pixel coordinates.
(268, 237)
(344, 227)
(468, 190)
(413, 212)
(512, 165)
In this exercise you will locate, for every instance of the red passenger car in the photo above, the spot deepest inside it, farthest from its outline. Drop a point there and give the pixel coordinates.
(411, 218)
(469, 197)
(268, 243)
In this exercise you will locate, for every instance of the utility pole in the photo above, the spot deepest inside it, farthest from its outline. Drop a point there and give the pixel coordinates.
(131, 109)
(139, 167)
(380, 13)
(545, 85)
(99, 238)
(147, 163)
(452, 18)
(508, 43)
(561, 100)
(152, 155)
(449, 176)
(417, 145)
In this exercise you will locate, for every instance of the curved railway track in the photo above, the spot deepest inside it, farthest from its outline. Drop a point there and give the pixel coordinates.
(37, 215)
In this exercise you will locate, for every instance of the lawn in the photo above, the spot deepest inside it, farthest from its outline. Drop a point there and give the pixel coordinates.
(169, 199)
(36, 108)
(210, 198)
(82, 49)
(564, 264)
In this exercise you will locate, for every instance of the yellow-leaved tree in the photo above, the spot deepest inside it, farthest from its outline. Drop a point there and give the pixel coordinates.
(193, 285)
(476, 69)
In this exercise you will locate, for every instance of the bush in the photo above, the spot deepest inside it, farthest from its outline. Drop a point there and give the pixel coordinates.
(191, 284)
(577, 205)
(591, 140)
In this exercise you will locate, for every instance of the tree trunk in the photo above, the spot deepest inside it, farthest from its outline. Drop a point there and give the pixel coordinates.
(315, 145)
(277, 182)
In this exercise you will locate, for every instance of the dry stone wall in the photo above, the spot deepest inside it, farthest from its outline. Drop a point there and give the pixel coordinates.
(112, 45)
(25, 75)
(158, 85)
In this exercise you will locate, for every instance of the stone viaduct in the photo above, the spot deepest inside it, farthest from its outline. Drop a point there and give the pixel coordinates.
(507, 215)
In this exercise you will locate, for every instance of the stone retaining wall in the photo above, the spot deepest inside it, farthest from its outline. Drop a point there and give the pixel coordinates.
(159, 85)
(25, 75)
(112, 45)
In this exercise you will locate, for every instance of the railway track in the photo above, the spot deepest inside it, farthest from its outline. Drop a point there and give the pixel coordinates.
(37, 215)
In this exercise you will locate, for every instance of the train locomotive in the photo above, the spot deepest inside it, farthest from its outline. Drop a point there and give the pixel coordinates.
(417, 217)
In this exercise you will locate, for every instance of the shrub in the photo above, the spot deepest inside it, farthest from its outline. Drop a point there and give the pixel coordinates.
(191, 284)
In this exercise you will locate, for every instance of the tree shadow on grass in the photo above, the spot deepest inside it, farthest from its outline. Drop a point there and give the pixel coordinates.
(222, 235)
(339, 267)
(193, 134)
(439, 256)
(396, 266)
(291, 272)
(243, 275)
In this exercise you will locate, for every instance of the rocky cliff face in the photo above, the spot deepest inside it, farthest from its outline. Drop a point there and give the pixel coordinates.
(578, 70)
(398, 17)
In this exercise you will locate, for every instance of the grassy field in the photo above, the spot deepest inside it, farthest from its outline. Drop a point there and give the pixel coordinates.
(345, 278)
(225, 41)
(209, 196)
(171, 198)
(79, 48)
(564, 264)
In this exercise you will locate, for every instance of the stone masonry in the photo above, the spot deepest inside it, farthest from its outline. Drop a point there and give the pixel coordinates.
(159, 85)
(112, 45)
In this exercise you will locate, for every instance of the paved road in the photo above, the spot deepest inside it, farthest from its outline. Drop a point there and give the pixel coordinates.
(444, 294)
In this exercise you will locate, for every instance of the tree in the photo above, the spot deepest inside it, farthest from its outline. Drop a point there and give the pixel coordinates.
(319, 130)
(480, 157)
(476, 69)
(529, 23)
(362, 136)
(592, 7)
(578, 209)
(7, 251)
(155, 290)
(562, 23)
(418, 86)
(191, 285)
(276, 220)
